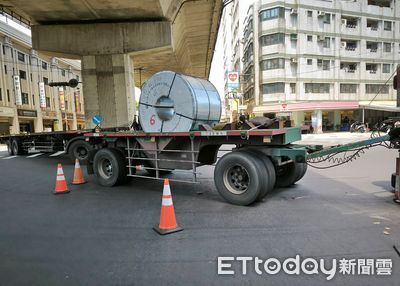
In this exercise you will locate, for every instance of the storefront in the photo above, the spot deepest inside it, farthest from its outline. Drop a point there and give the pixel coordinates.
(68, 121)
(6, 117)
(80, 121)
(50, 121)
(26, 118)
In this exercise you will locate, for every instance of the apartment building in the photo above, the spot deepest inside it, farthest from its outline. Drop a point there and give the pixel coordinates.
(27, 102)
(321, 63)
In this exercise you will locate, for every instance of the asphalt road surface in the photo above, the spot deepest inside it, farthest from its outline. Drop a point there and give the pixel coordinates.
(103, 236)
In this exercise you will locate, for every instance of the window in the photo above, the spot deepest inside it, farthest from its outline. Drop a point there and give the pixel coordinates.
(316, 87)
(5, 69)
(387, 26)
(4, 50)
(22, 74)
(386, 68)
(387, 47)
(293, 87)
(372, 68)
(66, 105)
(276, 87)
(348, 88)
(309, 13)
(77, 77)
(372, 46)
(380, 3)
(25, 99)
(327, 43)
(8, 95)
(327, 18)
(309, 62)
(376, 88)
(46, 80)
(1, 95)
(326, 65)
(44, 65)
(273, 64)
(309, 38)
(48, 102)
(277, 12)
(31, 76)
(21, 57)
(272, 39)
(63, 72)
(373, 24)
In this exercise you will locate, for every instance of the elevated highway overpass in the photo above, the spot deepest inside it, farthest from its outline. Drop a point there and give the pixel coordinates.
(113, 38)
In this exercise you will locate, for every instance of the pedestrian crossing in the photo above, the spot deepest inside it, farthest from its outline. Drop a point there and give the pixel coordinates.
(30, 156)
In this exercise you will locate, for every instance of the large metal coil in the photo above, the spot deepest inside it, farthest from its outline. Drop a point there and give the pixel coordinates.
(172, 102)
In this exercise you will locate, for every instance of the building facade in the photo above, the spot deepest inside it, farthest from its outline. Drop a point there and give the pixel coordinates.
(321, 63)
(27, 102)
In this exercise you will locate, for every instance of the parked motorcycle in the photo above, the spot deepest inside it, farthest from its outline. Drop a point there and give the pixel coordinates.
(358, 127)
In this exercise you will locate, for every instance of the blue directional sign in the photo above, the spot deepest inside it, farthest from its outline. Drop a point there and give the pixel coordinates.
(97, 119)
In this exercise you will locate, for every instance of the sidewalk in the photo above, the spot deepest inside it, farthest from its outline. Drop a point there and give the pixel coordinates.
(331, 139)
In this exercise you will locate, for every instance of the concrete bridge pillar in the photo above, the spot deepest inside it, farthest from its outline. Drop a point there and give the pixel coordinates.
(109, 89)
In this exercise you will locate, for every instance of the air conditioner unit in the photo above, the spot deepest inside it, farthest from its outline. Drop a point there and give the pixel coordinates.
(321, 13)
(293, 11)
(321, 38)
(293, 60)
(54, 61)
(343, 45)
(344, 21)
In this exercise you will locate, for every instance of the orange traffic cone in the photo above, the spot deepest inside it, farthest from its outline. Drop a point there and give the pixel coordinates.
(167, 217)
(78, 175)
(61, 184)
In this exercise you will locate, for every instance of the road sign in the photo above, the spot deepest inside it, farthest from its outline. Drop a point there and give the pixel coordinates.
(233, 80)
(97, 119)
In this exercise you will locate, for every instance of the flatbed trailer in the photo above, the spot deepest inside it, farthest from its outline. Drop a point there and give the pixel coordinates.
(261, 160)
(72, 142)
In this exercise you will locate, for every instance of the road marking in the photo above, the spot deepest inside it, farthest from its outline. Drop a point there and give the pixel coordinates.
(57, 154)
(1, 156)
(9, 157)
(35, 155)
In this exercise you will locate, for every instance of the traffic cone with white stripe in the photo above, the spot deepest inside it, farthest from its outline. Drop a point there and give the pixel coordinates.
(61, 184)
(167, 217)
(78, 175)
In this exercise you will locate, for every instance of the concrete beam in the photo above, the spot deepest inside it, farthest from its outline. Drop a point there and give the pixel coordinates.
(101, 38)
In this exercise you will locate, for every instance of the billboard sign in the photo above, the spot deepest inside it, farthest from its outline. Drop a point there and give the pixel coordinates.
(42, 95)
(17, 88)
(61, 98)
(233, 80)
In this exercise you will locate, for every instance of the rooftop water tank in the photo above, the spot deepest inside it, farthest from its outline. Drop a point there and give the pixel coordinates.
(172, 102)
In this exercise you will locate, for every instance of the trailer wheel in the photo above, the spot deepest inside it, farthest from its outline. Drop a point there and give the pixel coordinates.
(79, 150)
(16, 147)
(393, 180)
(288, 174)
(270, 175)
(109, 167)
(9, 148)
(237, 178)
(303, 171)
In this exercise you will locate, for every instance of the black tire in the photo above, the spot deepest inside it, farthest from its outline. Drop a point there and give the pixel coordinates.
(303, 167)
(270, 172)
(393, 180)
(288, 174)
(79, 150)
(9, 149)
(237, 178)
(109, 166)
(16, 147)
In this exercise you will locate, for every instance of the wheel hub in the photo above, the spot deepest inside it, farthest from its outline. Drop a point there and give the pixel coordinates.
(236, 179)
(106, 169)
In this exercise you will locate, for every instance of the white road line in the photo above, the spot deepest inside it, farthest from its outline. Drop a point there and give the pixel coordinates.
(9, 157)
(57, 154)
(34, 155)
